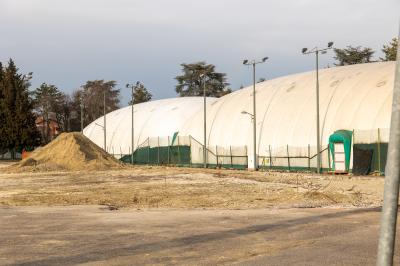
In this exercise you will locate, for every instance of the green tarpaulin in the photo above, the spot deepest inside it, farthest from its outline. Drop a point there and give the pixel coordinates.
(341, 136)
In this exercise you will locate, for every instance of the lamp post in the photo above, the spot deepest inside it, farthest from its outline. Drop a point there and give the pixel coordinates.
(316, 51)
(203, 77)
(105, 121)
(132, 121)
(254, 63)
(81, 98)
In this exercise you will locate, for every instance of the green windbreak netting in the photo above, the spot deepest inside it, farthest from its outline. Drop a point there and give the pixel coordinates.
(186, 151)
(160, 155)
(341, 136)
(379, 155)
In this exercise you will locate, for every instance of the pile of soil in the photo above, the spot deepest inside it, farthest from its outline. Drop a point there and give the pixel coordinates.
(69, 151)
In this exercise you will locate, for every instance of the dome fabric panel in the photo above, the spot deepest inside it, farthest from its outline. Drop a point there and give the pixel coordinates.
(351, 97)
(151, 119)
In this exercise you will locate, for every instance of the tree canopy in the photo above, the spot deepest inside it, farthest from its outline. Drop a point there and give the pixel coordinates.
(390, 50)
(140, 93)
(190, 83)
(353, 55)
(92, 94)
(49, 101)
(17, 128)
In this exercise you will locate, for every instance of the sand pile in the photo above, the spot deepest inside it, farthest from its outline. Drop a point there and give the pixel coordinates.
(69, 151)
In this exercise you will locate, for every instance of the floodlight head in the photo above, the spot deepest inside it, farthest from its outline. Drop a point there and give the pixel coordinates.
(243, 112)
(330, 44)
(245, 61)
(265, 59)
(304, 50)
(323, 52)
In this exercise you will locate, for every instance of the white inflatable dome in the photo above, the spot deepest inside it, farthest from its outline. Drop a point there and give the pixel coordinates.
(151, 119)
(351, 97)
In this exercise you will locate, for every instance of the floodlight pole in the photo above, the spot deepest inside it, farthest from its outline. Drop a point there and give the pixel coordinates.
(132, 116)
(255, 159)
(317, 51)
(253, 63)
(205, 123)
(317, 105)
(132, 127)
(387, 235)
(81, 98)
(105, 121)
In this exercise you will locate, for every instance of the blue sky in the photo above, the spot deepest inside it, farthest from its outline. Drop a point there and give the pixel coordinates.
(67, 42)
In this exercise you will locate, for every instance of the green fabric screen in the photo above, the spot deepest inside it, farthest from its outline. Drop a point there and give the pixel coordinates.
(178, 155)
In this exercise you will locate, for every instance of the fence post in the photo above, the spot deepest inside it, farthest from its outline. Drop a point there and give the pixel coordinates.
(329, 158)
(230, 152)
(270, 157)
(148, 154)
(216, 153)
(247, 157)
(379, 151)
(190, 150)
(129, 152)
(158, 150)
(288, 159)
(168, 151)
(309, 159)
(179, 152)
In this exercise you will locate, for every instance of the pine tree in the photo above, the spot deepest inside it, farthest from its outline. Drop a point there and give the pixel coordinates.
(48, 100)
(390, 50)
(3, 135)
(92, 95)
(190, 83)
(353, 55)
(140, 94)
(19, 129)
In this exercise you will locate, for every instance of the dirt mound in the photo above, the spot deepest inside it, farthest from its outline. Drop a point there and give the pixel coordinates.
(69, 151)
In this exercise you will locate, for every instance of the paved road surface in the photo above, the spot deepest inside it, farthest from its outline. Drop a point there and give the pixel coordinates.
(94, 235)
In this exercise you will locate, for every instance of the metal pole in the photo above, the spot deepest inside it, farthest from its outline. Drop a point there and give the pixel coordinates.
(158, 150)
(329, 158)
(230, 153)
(387, 233)
(132, 127)
(379, 152)
(270, 157)
(308, 155)
(288, 156)
(205, 124)
(81, 114)
(318, 137)
(105, 125)
(254, 117)
(169, 151)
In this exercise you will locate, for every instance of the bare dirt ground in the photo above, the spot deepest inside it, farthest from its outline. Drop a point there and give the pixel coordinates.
(167, 216)
(171, 187)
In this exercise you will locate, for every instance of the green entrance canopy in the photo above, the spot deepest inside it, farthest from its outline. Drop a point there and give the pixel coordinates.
(341, 136)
